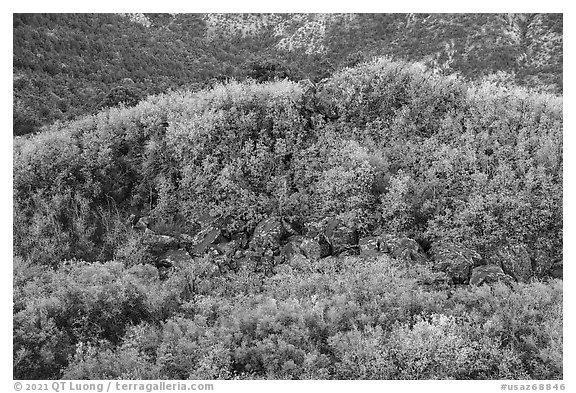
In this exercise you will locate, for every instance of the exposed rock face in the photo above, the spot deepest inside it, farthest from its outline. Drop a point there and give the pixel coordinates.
(324, 103)
(300, 245)
(268, 234)
(489, 274)
(290, 228)
(340, 237)
(311, 249)
(205, 240)
(292, 248)
(172, 259)
(331, 237)
(240, 238)
(228, 249)
(316, 232)
(268, 248)
(186, 241)
(369, 246)
(175, 258)
(159, 244)
(515, 261)
(249, 263)
(403, 248)
(456, 261)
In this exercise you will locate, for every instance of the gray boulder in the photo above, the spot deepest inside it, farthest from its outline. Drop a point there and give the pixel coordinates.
(268, 234)
(158, 244)
(340, 237)
(311, 249)
(316, 231)
(514, 260)
(204, 240)
(404, 249)
(489, 274)
(455, 260)
(300, 245)
(228, 249)
(175, 258)
(186, 241)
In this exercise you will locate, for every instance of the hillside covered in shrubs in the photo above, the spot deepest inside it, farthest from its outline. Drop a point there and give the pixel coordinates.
(384, 223)
(67, 65)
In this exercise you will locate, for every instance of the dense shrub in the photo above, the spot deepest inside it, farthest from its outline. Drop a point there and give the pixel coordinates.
(410, 152)
(384, 147)
(66, 65)
(355, 319)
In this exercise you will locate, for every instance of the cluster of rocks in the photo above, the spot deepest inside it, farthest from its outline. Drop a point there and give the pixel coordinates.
(276, 241)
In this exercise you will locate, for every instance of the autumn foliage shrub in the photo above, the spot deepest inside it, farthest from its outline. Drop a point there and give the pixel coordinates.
(361, 319)
(409, 152)
(385, 147)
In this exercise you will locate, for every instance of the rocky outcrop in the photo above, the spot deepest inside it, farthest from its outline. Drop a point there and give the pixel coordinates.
(228, 249)
(340, 236)
(316, 231)
(158, 244)
(300, 245)
(247, 262)
(290, 249)
(186, 241)
(514, 260)
(275, 241)
(241, 239)
(489, 274)
(403, 248)
(175, 258)
(311, 249)
(172, 260)
(268, 234)
(454, 260)
(205, 240)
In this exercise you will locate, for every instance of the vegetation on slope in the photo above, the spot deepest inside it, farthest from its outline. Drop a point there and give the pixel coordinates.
(349, 318)
(67, 65)
(385, 148)
(383, 145)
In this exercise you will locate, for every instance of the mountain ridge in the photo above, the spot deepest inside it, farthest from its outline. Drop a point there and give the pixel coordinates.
(69, 65)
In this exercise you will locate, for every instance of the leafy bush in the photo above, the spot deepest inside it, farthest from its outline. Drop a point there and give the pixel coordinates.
(359, 319)
(78, 303)
(384, 147)
(409, 153)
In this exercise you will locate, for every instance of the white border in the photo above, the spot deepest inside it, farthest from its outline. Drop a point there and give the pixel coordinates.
(297, 6)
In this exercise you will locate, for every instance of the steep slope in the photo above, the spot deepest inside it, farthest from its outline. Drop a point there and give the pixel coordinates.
(383, 145)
